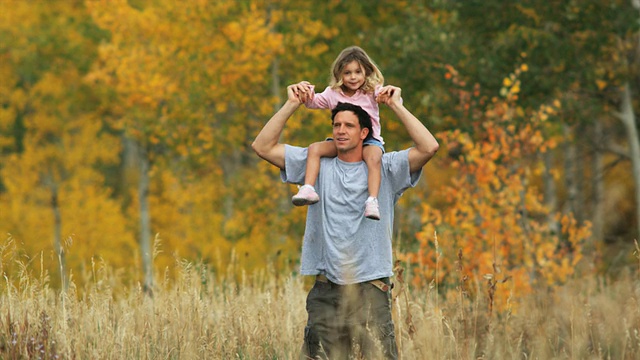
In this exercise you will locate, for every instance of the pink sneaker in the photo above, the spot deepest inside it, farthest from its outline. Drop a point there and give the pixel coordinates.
(371, 209)
(306, 196)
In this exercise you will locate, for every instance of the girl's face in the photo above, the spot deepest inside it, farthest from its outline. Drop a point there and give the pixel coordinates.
(353, 77)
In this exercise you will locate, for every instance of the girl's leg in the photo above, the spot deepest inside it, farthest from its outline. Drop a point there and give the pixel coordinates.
(307, 194)
(315, 152)
(373, 157)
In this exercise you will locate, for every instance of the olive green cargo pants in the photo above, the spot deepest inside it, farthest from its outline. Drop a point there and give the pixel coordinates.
(348, 320)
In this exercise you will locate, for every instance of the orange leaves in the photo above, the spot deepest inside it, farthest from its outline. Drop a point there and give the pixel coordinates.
(489, 210)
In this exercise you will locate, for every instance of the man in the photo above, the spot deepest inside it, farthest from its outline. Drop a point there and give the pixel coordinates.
(349, 306)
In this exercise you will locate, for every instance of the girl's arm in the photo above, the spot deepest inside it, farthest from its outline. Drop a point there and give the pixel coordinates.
(322, 100)
(304, 90)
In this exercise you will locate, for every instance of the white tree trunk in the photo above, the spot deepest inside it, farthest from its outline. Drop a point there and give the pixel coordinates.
(57, 238)
(628, 118)
(275, 84)
(145, 222)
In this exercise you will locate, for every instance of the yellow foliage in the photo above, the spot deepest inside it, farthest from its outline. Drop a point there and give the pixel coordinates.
(185, 212)
(176, 57)
(89, 215)
(62, 143)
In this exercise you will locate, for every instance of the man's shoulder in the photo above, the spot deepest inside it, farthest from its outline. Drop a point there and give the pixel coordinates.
(393, 161)
(396, 155)
(295, 153)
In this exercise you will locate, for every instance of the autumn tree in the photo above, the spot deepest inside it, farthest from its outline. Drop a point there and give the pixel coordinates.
(147, 108)
(52, 145)
(489, 210)
(628, 51)
(188, 84)
(576, 53)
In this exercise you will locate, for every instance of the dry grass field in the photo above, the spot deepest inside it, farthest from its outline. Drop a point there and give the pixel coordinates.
(197, 316)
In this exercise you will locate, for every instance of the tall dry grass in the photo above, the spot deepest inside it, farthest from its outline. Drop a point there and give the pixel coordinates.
(198, 316)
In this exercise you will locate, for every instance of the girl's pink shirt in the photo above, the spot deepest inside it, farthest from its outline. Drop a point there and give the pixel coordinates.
(329, 99)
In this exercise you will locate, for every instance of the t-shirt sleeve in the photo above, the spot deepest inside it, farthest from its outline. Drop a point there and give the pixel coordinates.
(321, 100)
(396, 165)
(295, 164)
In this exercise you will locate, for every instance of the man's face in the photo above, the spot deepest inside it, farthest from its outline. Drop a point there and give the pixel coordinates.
(347, 133)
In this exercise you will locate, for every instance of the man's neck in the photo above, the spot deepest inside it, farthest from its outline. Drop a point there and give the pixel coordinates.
(353, 155)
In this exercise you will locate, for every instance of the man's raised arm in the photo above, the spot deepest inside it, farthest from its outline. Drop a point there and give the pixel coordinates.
(426, 145)
(266, 143)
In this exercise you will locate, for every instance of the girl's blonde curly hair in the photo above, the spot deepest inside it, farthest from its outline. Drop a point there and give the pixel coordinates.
(373, 76)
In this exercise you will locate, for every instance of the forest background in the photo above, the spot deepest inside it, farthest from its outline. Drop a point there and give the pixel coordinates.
(125, 132)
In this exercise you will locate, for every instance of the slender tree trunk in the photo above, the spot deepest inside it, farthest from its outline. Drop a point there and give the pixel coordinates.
(628, 118)
(275, 84)
(145, 221)
(570, 171)
(550, 192)
(275, 64)
(597, 217)
(579, 202)
(230, 165)
(129, 167)
(57, 237)
(285, 201)
(524, 221)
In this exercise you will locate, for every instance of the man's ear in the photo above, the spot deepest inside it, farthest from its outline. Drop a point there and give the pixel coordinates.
(363, 133)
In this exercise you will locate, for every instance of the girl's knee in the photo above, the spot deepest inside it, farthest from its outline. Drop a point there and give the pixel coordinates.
(374, 156)
(314, 149)
(321, 149)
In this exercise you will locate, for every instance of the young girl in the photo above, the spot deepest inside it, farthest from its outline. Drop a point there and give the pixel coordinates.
(354, 79)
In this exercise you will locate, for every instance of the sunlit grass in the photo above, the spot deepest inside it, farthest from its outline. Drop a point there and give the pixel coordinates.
(198, 315)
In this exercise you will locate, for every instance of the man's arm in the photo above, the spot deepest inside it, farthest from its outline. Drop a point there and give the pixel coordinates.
(266, 143)
(426, 145)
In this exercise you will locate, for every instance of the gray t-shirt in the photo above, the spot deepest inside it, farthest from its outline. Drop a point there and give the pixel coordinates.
(339, 242)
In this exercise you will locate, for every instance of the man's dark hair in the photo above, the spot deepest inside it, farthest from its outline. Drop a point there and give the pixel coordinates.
(363, 117)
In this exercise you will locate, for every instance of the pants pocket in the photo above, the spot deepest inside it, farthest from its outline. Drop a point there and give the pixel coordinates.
(387, 336)
(311, 348)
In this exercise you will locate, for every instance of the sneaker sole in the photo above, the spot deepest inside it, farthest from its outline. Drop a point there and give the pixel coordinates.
(303, 202)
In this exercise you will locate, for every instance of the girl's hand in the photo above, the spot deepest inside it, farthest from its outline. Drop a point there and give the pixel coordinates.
(303, 90)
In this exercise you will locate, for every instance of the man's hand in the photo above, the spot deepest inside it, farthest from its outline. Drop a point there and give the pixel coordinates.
(425, 145)
(266, 143)
(302, 90)
(389, 95)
